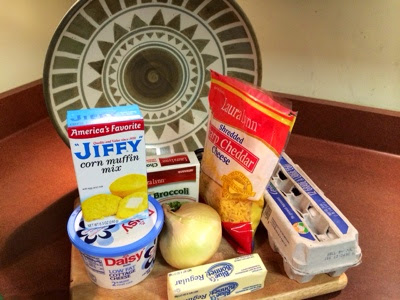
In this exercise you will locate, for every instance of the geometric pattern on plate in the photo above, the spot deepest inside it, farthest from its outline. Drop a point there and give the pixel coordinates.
(156, 54)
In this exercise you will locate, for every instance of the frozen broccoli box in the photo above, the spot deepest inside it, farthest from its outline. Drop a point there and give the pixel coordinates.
(109, 156)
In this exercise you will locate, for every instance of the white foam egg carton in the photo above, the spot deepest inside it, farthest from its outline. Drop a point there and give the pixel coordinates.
(305, 227)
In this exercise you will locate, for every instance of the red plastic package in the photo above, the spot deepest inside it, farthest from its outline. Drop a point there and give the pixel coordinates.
(247, 131)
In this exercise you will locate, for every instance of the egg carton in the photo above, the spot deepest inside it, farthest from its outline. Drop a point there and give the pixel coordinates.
(305, 227)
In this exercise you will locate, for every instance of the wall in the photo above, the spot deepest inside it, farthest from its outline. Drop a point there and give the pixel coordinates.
(346, 51)
(26, 27)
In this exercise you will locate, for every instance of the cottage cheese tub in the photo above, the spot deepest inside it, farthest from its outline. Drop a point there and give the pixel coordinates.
(120, 255)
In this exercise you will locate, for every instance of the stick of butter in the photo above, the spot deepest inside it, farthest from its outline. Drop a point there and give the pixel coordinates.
(218, 280)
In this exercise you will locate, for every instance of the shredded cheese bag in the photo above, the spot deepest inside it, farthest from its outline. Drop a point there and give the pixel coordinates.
(247, 131)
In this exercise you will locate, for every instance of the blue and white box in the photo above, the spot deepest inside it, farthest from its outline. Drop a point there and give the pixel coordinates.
(109, 155)
(305, 227)
(223, 279)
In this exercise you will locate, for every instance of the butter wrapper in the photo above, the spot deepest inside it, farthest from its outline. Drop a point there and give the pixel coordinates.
(174, 178)
(218, 280)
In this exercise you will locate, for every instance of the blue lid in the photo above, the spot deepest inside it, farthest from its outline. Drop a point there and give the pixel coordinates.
(119, 239)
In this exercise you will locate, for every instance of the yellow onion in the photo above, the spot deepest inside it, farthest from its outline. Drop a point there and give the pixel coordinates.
(191, 235)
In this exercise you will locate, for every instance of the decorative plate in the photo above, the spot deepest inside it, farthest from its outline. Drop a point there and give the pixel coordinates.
(156, 54)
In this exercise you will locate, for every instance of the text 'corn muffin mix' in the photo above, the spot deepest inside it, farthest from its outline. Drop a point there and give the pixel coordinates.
(109, 155)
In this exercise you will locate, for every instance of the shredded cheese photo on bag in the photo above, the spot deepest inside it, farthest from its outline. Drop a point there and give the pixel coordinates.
(247, 131)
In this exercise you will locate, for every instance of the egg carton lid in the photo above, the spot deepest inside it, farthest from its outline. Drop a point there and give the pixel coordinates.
(312, 238)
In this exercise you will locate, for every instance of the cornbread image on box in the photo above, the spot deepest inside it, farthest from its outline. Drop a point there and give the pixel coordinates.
(305, 227)
(231, 277)
(108, 152)
(174, 178)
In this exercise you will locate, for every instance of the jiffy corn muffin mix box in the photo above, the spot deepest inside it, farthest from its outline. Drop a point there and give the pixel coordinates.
(109, 155)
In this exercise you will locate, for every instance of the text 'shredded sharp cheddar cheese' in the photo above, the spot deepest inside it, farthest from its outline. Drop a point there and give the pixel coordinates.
(247, 131)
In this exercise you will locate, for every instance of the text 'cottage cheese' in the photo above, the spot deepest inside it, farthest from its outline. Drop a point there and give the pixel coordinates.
(108, 151)
(120, 255)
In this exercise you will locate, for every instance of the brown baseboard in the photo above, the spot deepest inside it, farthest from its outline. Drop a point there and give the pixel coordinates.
(366, 127)
(21, 107)
(360, 126)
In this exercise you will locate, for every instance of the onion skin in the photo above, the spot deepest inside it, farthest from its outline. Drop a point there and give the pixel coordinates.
(191, 235)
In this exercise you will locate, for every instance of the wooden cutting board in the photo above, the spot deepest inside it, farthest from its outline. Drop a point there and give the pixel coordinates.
(277, 284)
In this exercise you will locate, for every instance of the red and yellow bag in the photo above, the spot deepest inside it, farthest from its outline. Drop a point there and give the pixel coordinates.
(247, 131)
